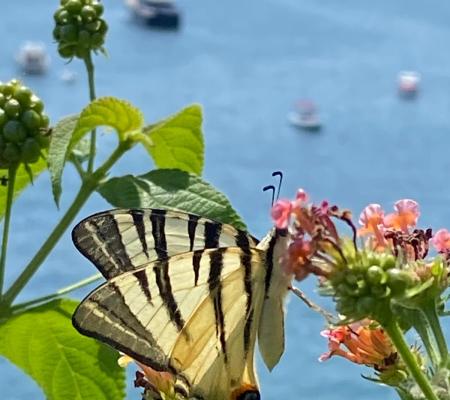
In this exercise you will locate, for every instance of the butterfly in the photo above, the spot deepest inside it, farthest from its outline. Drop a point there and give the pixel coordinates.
(186, 295)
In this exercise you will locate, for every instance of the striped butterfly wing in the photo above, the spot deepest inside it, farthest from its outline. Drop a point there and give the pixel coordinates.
(121, 240)
(195, 315)
(185, 294)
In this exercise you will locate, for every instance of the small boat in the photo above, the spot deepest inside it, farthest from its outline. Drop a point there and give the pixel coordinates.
(33, 58)
(408, 83)
(305, 116)
(156, 13)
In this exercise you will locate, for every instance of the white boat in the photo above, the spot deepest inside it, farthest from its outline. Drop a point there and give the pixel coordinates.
(32, 57)
(305, 116)
(408, 83)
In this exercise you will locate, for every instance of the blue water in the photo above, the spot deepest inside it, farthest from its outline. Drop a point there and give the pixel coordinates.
(247, 63)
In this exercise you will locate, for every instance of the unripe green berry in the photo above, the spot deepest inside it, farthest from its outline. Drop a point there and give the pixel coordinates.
(88, 13)
(366, 305)
(93, 26)
(8, 89)
(97, 39)
(12, 108)
(30, 151)
(66, 51)
(36, 104)
(73, 6)
(44, 121)
(23, 95)
(68, 33)
(84, 38)
(380, 292)
(61, 16)
(14, 131)
(31, 119)
(376, 275)
(398, 280)
(98, 7)
(11, 153)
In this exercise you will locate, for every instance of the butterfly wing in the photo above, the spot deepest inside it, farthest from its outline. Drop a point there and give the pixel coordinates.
(121, 240)
(195, 315)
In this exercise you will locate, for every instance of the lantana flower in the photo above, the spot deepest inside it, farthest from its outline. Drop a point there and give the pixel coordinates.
(362, 344)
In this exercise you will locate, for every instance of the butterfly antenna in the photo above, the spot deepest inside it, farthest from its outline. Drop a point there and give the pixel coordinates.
(270, 187)
(280, 174)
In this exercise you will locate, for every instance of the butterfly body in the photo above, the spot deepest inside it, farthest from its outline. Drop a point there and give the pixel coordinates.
(186, 295)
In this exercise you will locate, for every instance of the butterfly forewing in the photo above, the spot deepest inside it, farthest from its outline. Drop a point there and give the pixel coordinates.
(117, 241)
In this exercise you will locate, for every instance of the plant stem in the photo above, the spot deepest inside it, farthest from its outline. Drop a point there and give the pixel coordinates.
(423, 328)
(9, 200)
(90, 72)
(58, 293)
(89, 185)
(396, 335)
(431, 315)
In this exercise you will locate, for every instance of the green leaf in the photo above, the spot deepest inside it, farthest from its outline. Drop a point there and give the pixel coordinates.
(118, 114)
(66, 365)
(60, 140)
(170, 188)
(22, 181)
(178, 141)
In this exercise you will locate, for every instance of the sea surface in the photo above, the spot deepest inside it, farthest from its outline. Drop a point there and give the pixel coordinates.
(247, 63)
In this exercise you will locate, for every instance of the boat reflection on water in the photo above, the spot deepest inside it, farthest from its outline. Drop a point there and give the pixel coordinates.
(305, 116)
(162, 14)
(408, 84)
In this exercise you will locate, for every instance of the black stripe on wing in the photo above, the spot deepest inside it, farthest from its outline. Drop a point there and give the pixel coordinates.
(161, 270)
(100, 240)
(246, 261)
(215, 289)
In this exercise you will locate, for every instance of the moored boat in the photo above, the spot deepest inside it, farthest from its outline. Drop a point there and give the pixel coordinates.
(156, 13)
(305, 116)
(32, 57)
(408, 83)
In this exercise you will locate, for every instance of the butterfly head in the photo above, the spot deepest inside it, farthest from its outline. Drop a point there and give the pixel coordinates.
(246, 392)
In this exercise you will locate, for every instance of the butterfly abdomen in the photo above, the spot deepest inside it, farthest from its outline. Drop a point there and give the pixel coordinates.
(246, 392)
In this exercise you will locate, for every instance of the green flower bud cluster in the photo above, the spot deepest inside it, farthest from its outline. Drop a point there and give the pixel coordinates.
(79, 27)
(23, 125)
(364, 285)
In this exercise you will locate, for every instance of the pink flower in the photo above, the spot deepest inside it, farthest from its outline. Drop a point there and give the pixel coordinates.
(359, 343)
(372, 221)
(281, 212)
(301, 197)
(406, 215)
(441, 241)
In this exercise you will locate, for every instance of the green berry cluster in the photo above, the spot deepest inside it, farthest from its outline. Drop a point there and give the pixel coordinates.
(367, 283)
(23, 125)
(79, 27)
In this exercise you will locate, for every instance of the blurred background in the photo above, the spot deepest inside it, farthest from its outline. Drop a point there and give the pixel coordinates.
(249, 64)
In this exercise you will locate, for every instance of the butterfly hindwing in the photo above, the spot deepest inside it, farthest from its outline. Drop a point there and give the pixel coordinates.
(174, 319)
(120, 240)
